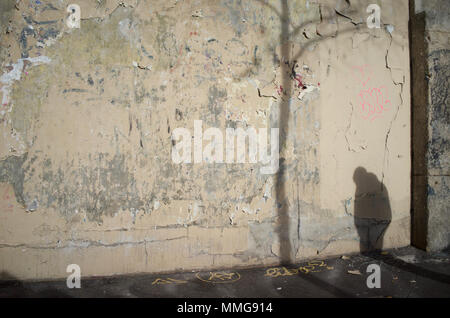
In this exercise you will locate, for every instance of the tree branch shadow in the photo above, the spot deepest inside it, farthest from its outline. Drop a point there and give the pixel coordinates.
(286, 253)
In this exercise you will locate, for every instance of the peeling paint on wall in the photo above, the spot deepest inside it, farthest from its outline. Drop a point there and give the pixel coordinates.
(86, 132)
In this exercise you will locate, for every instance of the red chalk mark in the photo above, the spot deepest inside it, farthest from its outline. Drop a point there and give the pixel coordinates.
(7, 196)
(177, 63)
(280, 90)
(299, 79)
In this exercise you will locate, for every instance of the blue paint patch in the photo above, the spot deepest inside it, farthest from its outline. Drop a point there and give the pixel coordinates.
(431, 191)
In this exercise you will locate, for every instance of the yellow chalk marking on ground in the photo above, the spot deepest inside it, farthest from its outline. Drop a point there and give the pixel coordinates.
(280, 271)
(311, 267)
(220, 277)
(161, 281)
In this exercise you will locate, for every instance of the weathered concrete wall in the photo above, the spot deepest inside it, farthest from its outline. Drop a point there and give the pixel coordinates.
(87, 116)
(436, 146)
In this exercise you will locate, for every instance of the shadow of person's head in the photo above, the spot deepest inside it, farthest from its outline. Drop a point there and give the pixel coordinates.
(372, 210)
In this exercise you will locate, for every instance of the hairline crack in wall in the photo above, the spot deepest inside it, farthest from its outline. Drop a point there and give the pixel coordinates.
(86, 175)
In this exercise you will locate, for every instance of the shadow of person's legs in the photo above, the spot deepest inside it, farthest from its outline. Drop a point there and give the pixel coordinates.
(372, 210)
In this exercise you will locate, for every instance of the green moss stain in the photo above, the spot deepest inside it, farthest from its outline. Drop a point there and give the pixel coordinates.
(6, 15)
(101, 187)
(12, 172)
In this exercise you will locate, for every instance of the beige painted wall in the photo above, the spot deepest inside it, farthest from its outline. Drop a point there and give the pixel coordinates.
(85, 154)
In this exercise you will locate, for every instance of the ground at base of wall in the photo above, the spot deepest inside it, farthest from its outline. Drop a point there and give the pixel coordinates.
(404, 272)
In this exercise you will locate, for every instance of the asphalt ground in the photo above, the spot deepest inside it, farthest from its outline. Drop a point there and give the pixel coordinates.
(404, 273)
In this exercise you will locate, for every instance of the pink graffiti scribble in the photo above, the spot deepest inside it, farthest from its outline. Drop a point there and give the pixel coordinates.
(373, 98)
(373, 102)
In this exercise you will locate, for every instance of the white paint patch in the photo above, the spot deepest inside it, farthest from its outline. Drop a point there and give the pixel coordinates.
(261, 113)
(310, 92)
(73, 20)
(124, 27)
(198, 14)
(231, 218)
(49, 41)
(267, 191)
(33, 205)
(136, 64)
(390, 28)
(248, 210)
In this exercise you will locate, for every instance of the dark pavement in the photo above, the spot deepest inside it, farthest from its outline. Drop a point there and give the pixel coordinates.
(405, 272)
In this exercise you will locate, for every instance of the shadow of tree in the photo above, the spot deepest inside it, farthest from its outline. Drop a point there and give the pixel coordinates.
(286, 252)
